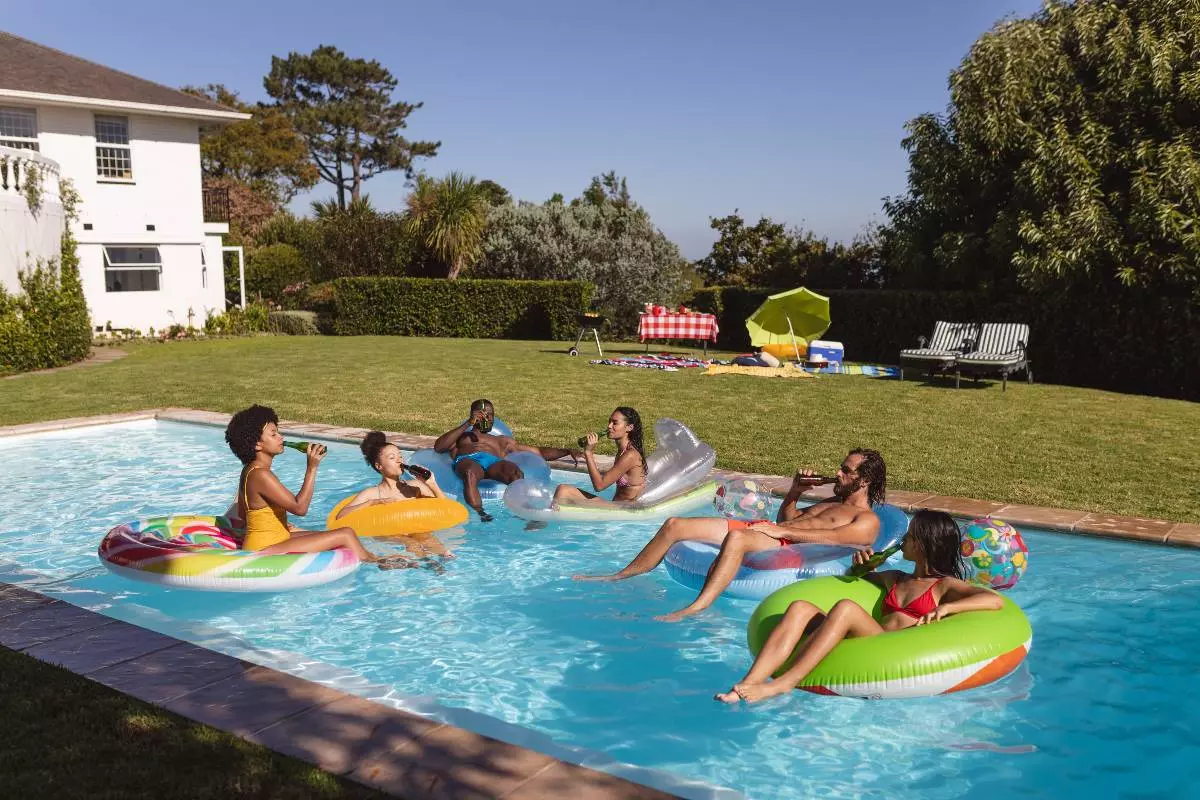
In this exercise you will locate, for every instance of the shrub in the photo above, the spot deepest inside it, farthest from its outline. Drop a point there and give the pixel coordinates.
(47, 324)
(480, 309)
(272, 268)
(614, 246)
(293, 323)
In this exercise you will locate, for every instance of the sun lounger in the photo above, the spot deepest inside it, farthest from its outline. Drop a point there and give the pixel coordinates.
(949, 341)
(1002, 349)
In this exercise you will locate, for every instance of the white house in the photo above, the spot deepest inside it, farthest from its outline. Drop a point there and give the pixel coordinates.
(149, 237)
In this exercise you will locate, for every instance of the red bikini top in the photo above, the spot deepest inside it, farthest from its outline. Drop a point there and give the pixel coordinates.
(917, 608)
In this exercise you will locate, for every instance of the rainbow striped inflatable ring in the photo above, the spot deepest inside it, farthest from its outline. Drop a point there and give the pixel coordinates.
(187, 551)
(959, 652)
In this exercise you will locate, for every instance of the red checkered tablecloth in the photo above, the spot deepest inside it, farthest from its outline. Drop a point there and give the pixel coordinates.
(677, 326)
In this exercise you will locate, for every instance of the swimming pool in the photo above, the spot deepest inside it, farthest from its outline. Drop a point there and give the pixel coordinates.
(1104, 704)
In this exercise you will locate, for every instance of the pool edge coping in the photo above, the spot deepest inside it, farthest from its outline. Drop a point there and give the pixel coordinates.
(385, 748)
(1060, 520)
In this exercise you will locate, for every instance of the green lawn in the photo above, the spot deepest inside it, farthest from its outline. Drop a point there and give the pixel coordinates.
(1040, 444)
(65, 737)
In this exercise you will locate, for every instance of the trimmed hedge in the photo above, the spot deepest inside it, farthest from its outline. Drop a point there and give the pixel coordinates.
(1133, 342)
(272, 268)
(478, 309)
(47, 324)
(293, 323)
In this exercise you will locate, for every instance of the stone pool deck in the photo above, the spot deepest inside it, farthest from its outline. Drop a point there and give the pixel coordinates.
(398, 752)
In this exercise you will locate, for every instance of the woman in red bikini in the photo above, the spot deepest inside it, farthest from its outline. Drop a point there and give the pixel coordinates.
(935, 590)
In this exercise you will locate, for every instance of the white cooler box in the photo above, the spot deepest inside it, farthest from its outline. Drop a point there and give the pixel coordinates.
(831, 351)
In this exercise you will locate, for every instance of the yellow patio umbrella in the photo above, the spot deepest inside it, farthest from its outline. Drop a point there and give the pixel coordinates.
(784, 316)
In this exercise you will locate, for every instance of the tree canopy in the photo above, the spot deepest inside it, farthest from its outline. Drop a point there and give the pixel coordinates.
(1069, 155)
(343, 108)
(263, 153)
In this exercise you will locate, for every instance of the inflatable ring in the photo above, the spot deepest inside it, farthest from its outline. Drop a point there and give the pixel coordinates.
(403, 517)
(441, 465)
(956, 653)
(769, 570)
(530, 500)
(188, 551)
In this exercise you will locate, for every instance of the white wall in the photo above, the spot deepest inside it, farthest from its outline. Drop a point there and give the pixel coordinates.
(27, 238)
(165, 192)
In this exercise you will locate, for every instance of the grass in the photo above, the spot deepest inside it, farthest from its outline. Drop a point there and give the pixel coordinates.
(1037, 444)
(65, 737)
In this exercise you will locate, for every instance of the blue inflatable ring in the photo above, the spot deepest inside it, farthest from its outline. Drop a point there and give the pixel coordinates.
(765, 572)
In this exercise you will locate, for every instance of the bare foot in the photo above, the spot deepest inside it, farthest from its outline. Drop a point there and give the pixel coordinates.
(485, 516)
(682, 613)
(394, 562)
(732, 697)
(757, 692)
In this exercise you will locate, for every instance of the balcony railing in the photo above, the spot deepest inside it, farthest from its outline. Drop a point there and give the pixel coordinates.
(216, 205)
(21, 169)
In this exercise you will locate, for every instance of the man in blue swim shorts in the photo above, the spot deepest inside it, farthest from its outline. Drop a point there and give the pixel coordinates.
(478, 454)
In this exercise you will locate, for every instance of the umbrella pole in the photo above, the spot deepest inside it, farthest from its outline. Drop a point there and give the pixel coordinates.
(792, 333)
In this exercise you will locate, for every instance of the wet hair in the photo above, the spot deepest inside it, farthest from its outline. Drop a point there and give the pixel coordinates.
(372, 445)
(874, 472)
(245, 429)
(636, 436)
(482, 405)
(940, 540)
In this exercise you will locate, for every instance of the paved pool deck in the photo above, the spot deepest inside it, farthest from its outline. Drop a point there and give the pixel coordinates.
(398, 752)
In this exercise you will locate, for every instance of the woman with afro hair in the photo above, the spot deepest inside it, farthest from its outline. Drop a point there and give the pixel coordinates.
(264, 502)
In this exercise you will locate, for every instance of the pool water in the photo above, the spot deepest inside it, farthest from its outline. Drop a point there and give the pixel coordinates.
(502, 641)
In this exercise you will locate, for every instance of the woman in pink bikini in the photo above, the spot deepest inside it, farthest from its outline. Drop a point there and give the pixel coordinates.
(628, 472)
(935, 590)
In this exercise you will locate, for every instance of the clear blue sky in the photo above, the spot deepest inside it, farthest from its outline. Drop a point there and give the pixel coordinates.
(794, 110)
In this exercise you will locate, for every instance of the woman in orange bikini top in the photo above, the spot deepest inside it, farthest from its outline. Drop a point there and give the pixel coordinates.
(935, 590)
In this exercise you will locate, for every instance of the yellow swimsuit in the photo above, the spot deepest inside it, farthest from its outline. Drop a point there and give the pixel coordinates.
(265, 526)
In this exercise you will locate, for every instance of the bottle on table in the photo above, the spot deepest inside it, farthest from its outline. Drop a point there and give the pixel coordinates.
(858, 570)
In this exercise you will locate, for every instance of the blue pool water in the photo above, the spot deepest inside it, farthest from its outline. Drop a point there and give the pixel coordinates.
(503, 642)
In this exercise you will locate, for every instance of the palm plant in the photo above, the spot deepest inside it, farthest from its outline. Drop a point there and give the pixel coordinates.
(449, 217)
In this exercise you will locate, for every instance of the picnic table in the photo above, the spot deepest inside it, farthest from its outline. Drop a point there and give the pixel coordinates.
(702, 327)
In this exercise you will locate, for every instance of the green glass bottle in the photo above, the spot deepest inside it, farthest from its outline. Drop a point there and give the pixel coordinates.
(858, 570)
(301, 446)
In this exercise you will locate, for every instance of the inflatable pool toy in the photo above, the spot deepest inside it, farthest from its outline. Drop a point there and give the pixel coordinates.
(959, 652)
(401, 518)
(994, 553)
(530, 500)
(188, 551)
(786, 351)
(441, 465)
(767, 571)
(676, 483)
(741, 498)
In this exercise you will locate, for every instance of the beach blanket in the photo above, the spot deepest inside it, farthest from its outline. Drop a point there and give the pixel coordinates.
(787, 371)
(870, 370)
(664, 363)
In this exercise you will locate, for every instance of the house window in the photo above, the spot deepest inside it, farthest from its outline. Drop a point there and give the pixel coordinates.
(131, 269)
(113, 159)
(18, 128)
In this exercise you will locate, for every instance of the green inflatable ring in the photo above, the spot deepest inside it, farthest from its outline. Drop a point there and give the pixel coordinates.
(956, 653)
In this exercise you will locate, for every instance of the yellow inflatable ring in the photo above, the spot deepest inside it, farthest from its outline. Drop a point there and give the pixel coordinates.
(786, 351)
(401, 518)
